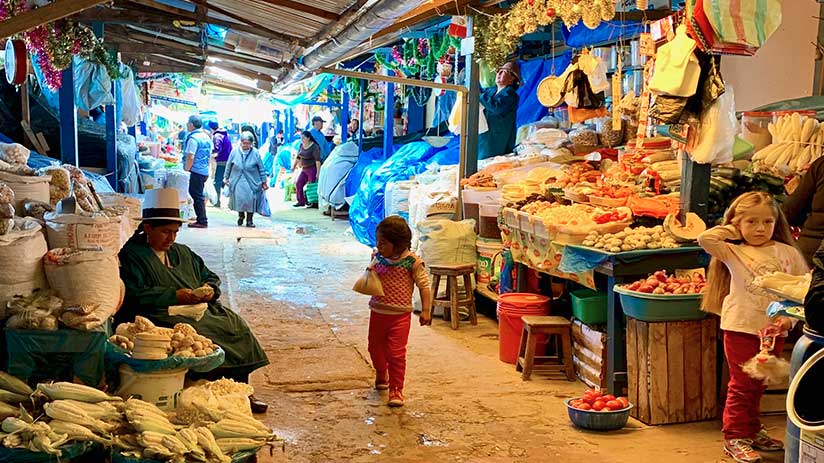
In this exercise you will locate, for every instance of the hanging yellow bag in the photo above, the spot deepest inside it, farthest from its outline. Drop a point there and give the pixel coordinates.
(369, 283)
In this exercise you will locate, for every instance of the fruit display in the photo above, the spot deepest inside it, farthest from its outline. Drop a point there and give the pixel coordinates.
(146, 341)
(661, 283)
(792, 287)
(580, 172)
(684, 232)
(595, 401)
(58, 414)
(631, 239)
(796, 142)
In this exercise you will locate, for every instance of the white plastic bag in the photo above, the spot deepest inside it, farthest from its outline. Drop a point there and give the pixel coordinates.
(455, 117)
(716, 136)
(444, 242)
(131, 100)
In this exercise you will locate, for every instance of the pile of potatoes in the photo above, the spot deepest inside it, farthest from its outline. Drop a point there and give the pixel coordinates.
(632, 239)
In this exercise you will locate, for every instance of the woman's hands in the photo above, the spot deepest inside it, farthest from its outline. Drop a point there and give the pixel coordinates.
(188, 296)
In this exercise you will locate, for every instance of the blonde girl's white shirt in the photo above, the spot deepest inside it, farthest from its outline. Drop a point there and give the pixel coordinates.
(745, 308)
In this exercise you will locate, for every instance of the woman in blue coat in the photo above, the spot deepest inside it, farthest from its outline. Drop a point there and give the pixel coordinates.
(246, 179)
(500, 104)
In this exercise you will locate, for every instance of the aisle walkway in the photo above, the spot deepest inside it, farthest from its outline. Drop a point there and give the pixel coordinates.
(291, 279)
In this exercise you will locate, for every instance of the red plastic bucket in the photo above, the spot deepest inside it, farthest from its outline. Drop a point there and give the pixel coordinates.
(511, 307)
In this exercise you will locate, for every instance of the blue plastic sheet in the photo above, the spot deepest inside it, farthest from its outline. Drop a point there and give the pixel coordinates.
(366, 159)
(92, 85)
(411, 159)
(577, 260)
(69, 452)
(532, 73)
(607, 31)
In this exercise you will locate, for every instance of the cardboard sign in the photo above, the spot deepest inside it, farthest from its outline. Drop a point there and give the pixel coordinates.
(646, 44)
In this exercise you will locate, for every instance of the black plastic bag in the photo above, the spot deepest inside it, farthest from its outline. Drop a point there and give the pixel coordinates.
(668, 109)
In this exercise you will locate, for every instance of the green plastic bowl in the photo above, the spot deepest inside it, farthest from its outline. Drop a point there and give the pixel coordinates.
(660, 307)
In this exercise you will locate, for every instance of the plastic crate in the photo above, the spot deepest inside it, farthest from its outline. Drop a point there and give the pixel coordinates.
(589, 306)
(659, 307)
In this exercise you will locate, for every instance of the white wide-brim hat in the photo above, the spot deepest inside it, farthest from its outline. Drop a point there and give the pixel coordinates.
(162, 204)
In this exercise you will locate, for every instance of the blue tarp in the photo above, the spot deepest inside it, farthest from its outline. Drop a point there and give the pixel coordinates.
(608, 31)
(532, 73)
(366, 159)
(367, 209)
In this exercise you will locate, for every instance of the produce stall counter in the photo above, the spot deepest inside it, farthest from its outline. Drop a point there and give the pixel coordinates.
(33, 353)
(619, 268)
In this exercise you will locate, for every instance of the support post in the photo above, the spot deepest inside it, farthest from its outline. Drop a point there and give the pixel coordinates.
(68, 119)
(360, 114)
(389, 121)
(344, 116)
(695, 189)
(473, 109)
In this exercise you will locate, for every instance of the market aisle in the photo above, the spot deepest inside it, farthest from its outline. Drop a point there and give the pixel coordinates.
(291, 279)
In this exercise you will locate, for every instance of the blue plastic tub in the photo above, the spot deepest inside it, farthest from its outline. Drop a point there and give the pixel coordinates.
(660, 307)
(598, 421)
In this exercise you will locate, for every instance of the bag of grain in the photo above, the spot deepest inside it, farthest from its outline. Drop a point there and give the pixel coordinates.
(444, 242)
(86, 230)
(21, 267)
(86, 279)
(26, 187)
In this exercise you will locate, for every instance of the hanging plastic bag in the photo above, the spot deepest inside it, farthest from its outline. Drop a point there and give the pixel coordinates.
(263, 205)
(676, 68)
(743, 23)
(130, 113)
(369, 283)
(455, 117)
(92, 85)
(668, 109)
(210, 192)
(596, 71)
(716, 135)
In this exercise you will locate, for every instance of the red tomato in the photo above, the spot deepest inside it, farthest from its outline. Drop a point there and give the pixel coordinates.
(614, 405)
(608, 397)
(587, 399)
(576, 402)
(623, 401)
(598, 405)
(584, 406)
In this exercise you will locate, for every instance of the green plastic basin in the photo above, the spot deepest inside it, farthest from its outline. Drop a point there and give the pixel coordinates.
(660, 307)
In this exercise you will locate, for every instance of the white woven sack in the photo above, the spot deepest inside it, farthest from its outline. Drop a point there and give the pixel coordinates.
(83, 232)
(86, 279)
(27, 187)
(444, 242)
(21, 253)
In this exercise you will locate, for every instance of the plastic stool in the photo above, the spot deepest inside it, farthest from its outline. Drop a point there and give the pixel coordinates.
(558, 329)
(451, 301)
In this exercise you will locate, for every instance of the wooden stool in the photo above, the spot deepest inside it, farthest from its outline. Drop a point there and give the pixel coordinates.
(450, 302)
(558, 330)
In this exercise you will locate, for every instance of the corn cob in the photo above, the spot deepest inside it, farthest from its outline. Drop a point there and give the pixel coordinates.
(12, 397)
(126, 442)
(234, 428)
(103, 410)
(7, 410)
(13, 384)
(68, 412)
(207, 440)
(188, 437)
(65, 390)
(12, 441)
(245, 418)
(41, 443)
(143, 405)
(174, 444)
(12, 425)
(77, 432)
(149, 422)
(230, 446)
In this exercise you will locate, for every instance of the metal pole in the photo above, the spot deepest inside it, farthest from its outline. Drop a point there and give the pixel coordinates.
(68, 119)
(344, 117)
(389, 121)
(360, 115)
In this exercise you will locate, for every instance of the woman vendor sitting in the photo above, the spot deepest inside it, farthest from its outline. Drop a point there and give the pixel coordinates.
(159, 273)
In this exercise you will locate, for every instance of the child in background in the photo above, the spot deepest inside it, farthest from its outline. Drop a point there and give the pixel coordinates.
(400, 271)
(754, 240)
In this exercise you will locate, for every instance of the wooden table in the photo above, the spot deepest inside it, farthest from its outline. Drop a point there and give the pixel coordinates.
(621, 268)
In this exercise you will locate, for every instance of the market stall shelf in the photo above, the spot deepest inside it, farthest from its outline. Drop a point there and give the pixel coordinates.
(671, 368)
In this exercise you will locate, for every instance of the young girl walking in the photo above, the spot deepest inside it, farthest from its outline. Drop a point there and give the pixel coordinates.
(400, 271)
(754, 240)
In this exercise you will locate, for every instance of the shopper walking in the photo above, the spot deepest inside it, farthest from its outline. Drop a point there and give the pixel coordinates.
(308, 159)
(400, 271)
(246, 180)
(754, 240)
(196, 154)
(221, 149)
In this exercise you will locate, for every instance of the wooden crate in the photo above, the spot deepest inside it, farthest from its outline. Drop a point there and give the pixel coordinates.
(588, 348)
(671, 368)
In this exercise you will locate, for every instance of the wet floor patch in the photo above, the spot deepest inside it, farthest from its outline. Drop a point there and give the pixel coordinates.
(321, 369)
